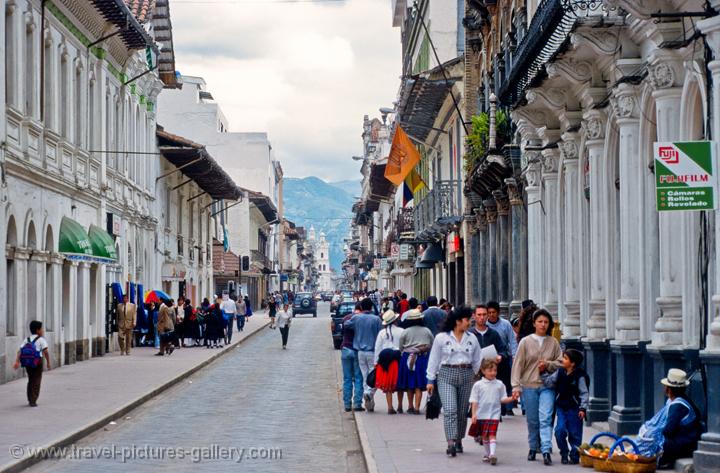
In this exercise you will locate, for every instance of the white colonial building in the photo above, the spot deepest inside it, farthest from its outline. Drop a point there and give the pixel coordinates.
(249, 159)
(321, 249)
(78, 165)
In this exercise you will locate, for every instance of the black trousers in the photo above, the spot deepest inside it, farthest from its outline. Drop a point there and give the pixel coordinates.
(33, 386)
(284, 332)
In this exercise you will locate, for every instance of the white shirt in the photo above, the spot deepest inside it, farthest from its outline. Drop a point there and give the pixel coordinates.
(538, 339)
(40, 343)
(283, 319)
(488, 395)
(228, 306)
(385, 340)
(446, 350)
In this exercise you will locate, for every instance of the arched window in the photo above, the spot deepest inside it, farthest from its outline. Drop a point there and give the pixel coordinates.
(78, 98)
(30, 79)
(49, 282)
(48, 82)
(10, 56)
(64, 93)
(11, 281)
(33, 267)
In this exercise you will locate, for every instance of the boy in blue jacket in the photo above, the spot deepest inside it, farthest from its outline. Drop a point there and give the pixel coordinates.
(571, 385)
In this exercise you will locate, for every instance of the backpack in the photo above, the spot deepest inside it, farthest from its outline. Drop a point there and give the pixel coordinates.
(30, 357)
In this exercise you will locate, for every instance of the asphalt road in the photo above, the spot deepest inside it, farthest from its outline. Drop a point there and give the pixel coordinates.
(259, 409)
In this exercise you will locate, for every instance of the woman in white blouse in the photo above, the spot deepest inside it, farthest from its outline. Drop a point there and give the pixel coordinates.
(386, 369)
(454, 359)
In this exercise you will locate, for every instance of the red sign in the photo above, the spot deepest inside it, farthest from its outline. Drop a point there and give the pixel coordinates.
(668, 154)
(453, 242)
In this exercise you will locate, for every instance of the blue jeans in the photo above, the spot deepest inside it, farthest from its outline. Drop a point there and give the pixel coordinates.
(352, 378)
(569, 430)
(240, 322)
(539, 404)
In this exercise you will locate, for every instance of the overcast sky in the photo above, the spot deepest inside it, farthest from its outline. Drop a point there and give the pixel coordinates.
(306, 72)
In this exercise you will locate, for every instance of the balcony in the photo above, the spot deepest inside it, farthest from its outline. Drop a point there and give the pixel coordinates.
(438, 211)
(405, 225)
(259, 260)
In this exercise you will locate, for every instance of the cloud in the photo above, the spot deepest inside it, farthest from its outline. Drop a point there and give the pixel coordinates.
(304, 72)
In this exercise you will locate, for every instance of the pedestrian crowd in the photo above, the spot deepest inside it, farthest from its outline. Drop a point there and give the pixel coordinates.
(476, 366)
(209, 325)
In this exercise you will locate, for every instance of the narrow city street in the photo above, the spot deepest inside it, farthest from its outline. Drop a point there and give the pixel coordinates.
(279, 408)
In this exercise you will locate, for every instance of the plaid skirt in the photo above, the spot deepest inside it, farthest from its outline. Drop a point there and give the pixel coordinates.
(484, 428)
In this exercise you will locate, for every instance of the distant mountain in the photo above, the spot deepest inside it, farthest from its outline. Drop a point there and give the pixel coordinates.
(352, 187)
(313, 202)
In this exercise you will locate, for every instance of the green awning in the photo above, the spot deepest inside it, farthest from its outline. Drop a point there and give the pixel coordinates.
(74, 241)
(102, 243)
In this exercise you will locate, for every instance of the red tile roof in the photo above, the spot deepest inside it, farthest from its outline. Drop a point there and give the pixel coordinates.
(142, 9)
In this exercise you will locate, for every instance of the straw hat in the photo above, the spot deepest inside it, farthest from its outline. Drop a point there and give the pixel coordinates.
(676, 379)
(414, 314)
(389, 317)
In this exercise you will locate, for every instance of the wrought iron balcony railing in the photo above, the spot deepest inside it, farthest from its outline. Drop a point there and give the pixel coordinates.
(438, 210)
(261, 259)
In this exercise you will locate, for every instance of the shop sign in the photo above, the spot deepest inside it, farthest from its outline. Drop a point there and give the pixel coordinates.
(384, 264)
(685, 175)
(394, 250)
(404, 252)
(113, 224)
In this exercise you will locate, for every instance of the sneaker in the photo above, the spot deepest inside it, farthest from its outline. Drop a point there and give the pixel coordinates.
(359, 409)
(411, 410)
(159, 354)
(531, 455)
(493, 460)
(399, 410)
(564, 460)
(547, 459)
(348, 409)
(486, 459)
(391, 411)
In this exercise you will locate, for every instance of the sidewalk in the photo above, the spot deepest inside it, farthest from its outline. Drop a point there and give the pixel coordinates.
(405, 443)
(78, 399)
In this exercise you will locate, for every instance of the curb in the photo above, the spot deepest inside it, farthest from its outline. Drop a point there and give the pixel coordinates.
(365, 444)
(98, 424)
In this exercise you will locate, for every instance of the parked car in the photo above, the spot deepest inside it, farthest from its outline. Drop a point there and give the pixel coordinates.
(304, 303)
(336, 325)
(327, 296)
(347, 296)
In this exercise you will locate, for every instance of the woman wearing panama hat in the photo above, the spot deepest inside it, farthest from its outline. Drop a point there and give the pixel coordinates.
(415, 344)
(674, 431)
(387, 357)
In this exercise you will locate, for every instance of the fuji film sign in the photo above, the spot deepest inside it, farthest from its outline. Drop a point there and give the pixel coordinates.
(685, 175)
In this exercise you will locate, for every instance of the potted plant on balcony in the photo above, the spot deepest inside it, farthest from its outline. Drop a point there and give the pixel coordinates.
(478, 138)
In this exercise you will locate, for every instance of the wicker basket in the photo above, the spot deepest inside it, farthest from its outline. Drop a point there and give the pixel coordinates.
(622, 464)
(641, 465)
(586, 461)
(602, 464)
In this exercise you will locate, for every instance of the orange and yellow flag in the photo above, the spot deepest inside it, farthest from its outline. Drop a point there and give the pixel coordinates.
(403, 158)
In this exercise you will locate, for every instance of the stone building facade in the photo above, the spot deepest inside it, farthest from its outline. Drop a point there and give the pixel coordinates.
(79, 128)
(590, 87)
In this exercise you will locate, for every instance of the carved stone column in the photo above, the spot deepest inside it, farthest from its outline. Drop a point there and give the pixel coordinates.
(518, 247)
(69, 312)
(491, 268)
(596, 344)
(56, 259)
(21, 257)
(82, 337)
(707, 456)
(628, 352)
(571, 232)
(503, 249)
(551, 229)
(481, 223)
(535, 220)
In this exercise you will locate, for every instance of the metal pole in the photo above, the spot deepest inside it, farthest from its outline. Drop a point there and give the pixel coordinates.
(196, 196)
(182, 184)
(178, 169)
(226, 207)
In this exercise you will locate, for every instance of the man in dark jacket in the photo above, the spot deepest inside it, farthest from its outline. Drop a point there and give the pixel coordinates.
(487, 336)
(434, 317)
